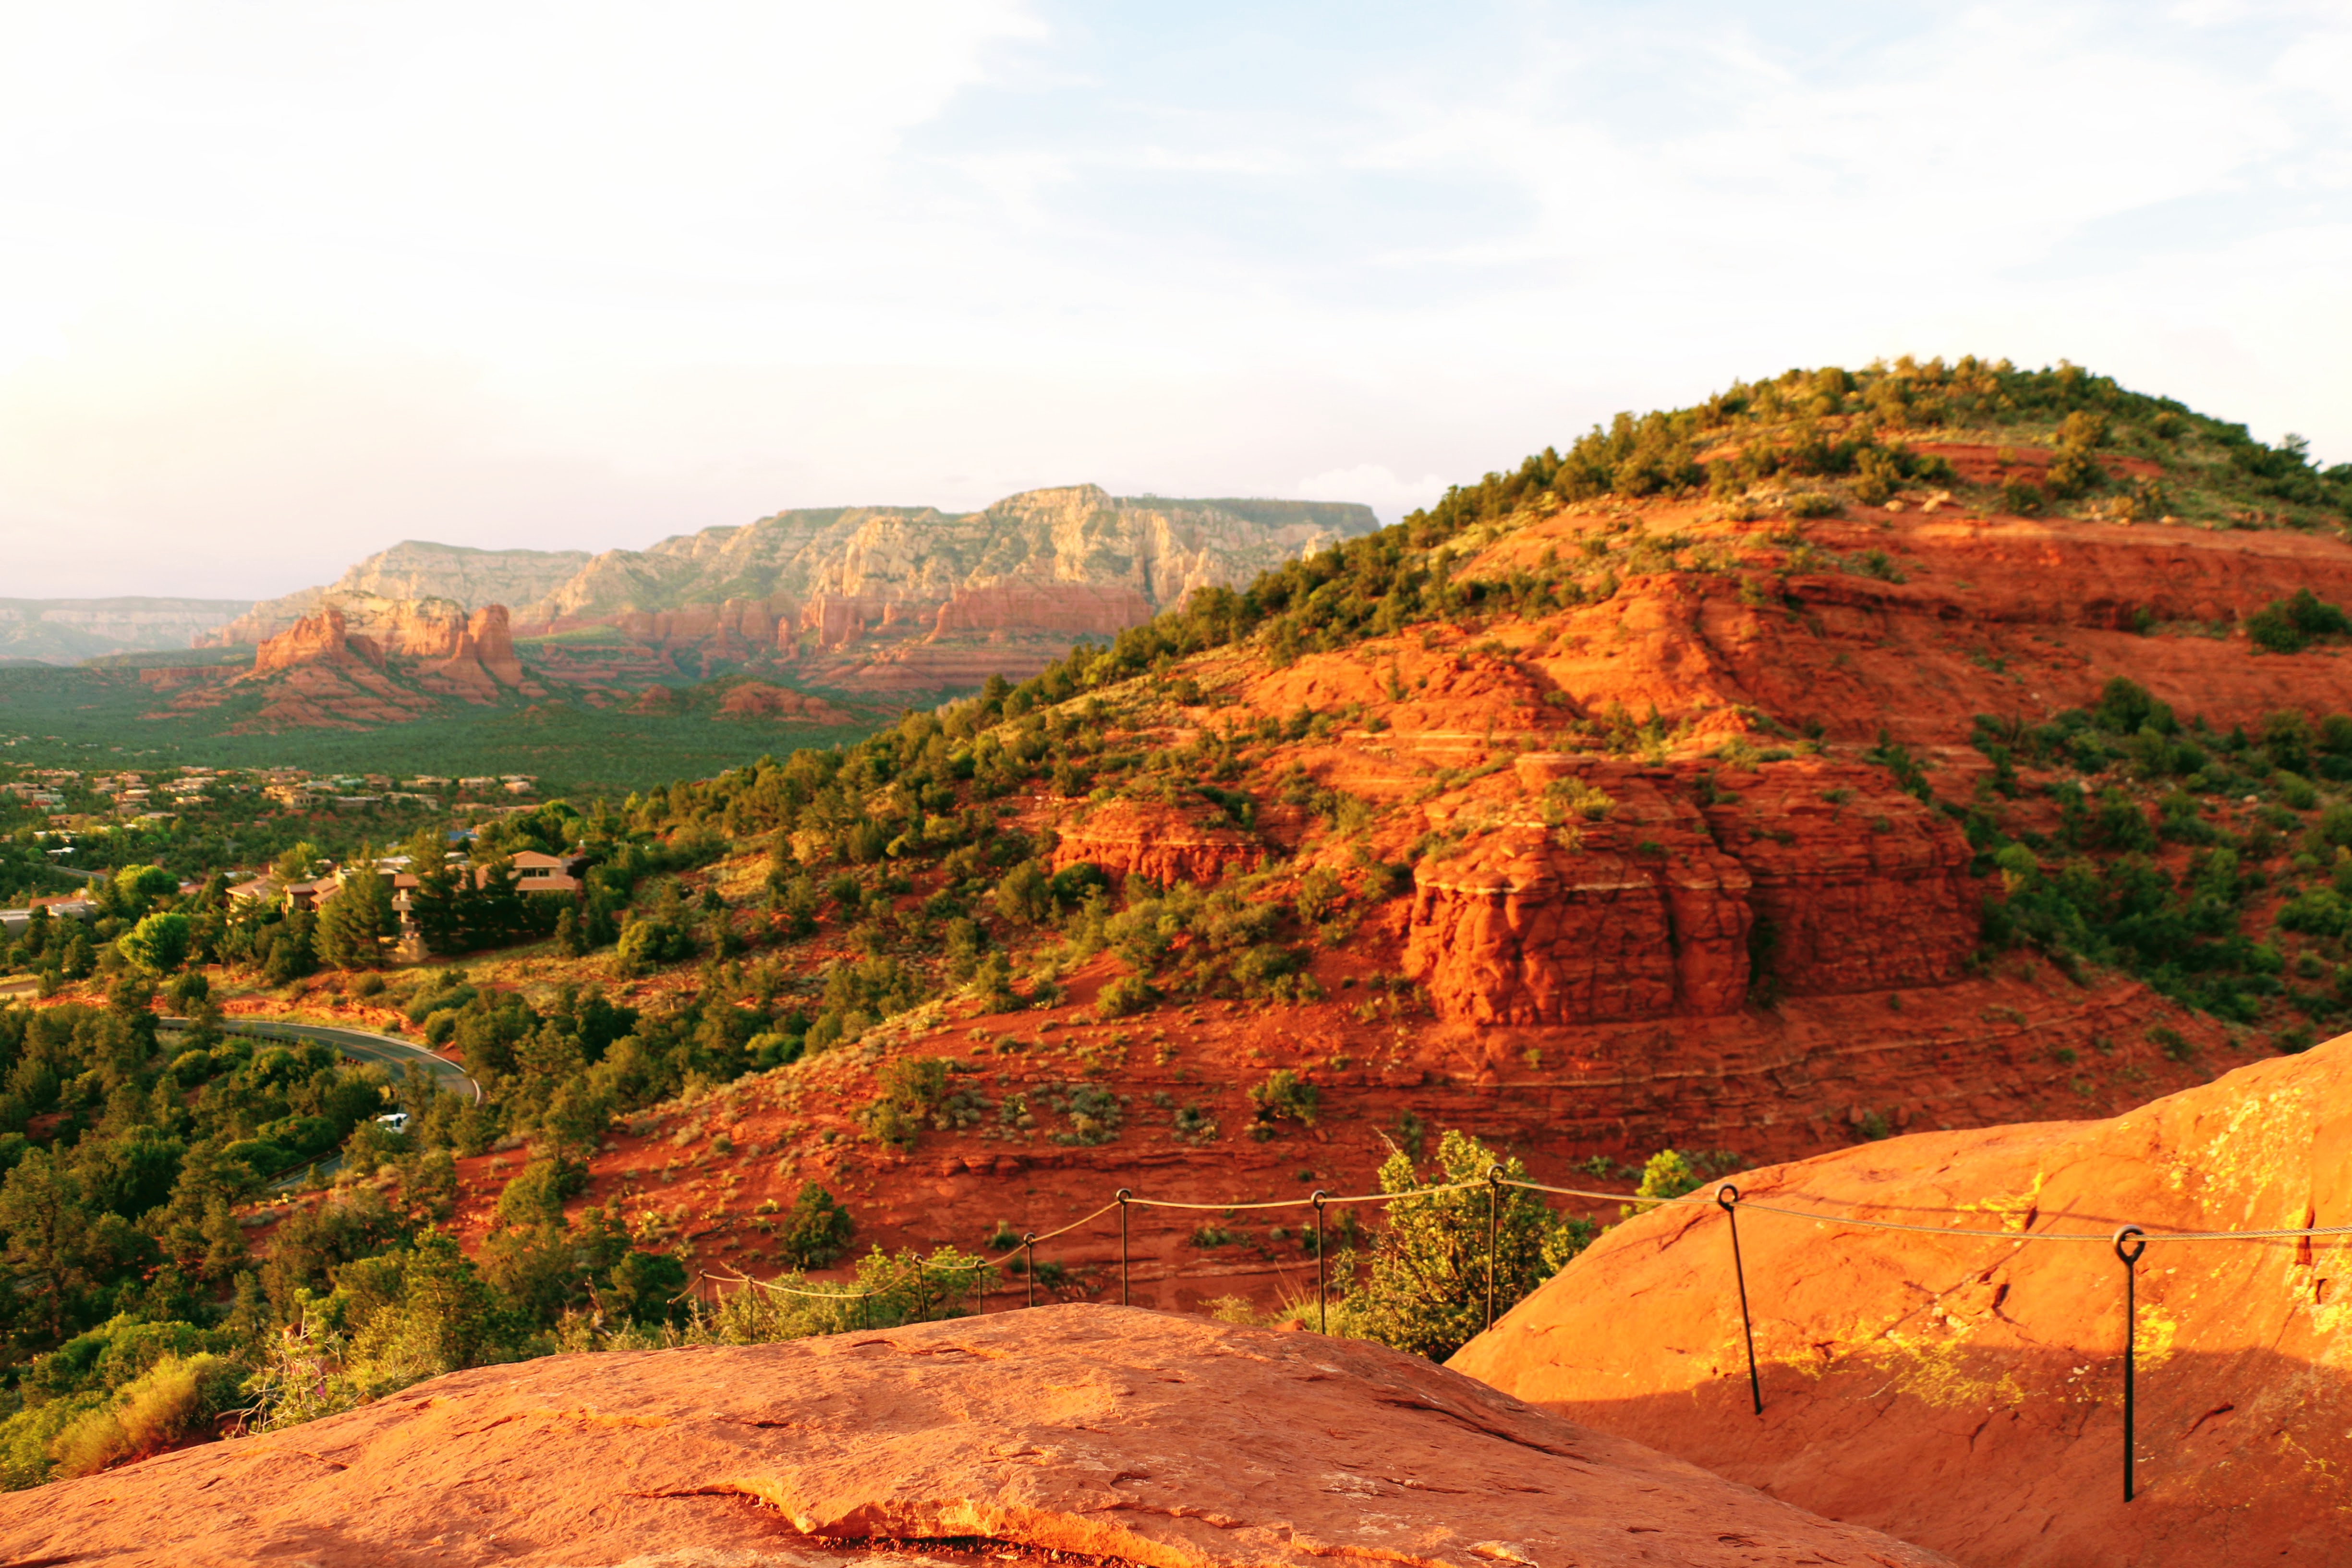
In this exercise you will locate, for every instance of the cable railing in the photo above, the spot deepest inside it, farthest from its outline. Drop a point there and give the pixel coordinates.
(2128, 1242)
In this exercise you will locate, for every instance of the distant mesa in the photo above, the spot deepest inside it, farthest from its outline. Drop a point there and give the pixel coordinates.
(880, 600)
(67, 631)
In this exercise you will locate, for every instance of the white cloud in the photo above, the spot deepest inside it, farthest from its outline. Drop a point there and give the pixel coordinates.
(281, 284)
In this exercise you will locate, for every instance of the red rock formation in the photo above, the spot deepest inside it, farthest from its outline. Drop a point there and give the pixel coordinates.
(493, 645)
(321, 674)
(2000, 615)
(317, 639)
(1635, 914)
(757, 699)
(1133, 838)
(1864, 887)
(1643, 907)
(1966, 1391)
(1115, 1435)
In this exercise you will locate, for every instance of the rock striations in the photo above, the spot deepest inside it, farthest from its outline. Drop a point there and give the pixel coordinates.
(1118, 1436)
(1967, 1392)
(1598, 891)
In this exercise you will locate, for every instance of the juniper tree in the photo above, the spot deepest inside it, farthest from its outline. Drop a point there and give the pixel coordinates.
(1425, 1285)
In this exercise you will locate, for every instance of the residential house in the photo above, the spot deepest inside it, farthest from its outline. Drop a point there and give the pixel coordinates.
(538, 873)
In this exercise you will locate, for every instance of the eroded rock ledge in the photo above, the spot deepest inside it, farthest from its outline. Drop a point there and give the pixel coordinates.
(1111, 1432)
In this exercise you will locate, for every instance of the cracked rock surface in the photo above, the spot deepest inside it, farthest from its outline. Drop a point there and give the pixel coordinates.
(1120, 1435)
(1967, 1392)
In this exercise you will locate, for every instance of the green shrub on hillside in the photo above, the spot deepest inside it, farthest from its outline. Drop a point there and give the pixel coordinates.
(1424, 1285)
(2292, 625)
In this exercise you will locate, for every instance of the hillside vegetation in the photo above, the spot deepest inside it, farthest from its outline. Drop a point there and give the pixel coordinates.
(1856, 751)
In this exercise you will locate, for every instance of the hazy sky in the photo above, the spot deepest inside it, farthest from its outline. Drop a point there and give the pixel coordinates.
(283, 283)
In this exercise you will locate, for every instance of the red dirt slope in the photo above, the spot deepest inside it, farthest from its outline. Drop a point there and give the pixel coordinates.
(1123, 1435)
(1967, 1394)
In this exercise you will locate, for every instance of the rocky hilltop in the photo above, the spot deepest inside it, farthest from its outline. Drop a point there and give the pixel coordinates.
(1753, 820)
(1095, 1434)
(1967, 1392)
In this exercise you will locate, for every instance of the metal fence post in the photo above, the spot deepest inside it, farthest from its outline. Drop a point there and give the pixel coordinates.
(1494, 1206)
(1124, 1194)
(1029, 1262)
(1726, 1196)
(1322, 1324)
(2130, 1242)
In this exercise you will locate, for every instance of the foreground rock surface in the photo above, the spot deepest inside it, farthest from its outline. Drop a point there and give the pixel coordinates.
(1112, 1432)
(1967, 1392)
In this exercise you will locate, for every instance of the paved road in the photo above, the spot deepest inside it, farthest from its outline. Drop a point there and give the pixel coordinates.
(362, 1045)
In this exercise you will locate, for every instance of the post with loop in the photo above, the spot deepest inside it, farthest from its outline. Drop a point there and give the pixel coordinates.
(1124, 1194)
(1726, 1198)
(1029, 1262)
(1494, 1207)
(2130, 1242)
(1321, 1325)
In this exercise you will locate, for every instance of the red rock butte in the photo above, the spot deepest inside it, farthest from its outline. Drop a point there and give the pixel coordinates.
(1118, 1436)
(1966, 1393)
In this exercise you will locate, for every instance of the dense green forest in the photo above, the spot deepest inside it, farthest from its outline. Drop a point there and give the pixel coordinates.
(101, 716)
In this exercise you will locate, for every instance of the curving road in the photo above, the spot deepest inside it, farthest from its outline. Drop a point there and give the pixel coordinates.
(361, 1044)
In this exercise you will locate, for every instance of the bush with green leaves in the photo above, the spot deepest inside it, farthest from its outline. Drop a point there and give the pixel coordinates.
(1124, 996)
(1284, 1097)
(815, 1231)
(1424, 1285)
(911, 1093)
(158, 944)
(2294, 623)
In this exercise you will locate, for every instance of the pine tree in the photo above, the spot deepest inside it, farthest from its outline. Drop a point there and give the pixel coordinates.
(356, 923)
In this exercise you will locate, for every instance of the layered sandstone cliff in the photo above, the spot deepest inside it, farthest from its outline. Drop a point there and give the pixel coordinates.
(1966, 1391)
(899, 599)
(1077, 537)
(1159, 843)
(1585, 890)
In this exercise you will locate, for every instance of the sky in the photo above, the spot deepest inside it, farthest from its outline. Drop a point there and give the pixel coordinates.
(284, 283)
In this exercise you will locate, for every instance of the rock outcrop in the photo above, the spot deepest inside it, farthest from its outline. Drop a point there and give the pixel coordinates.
(1116, 1435)
(321, 639)
(322, 673)
(1161, 844)
(758, 700)
(459, 653)
(1958, 616)
(411, 571)
(1966, 1391)
(1630, 913)
(1582, 891)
